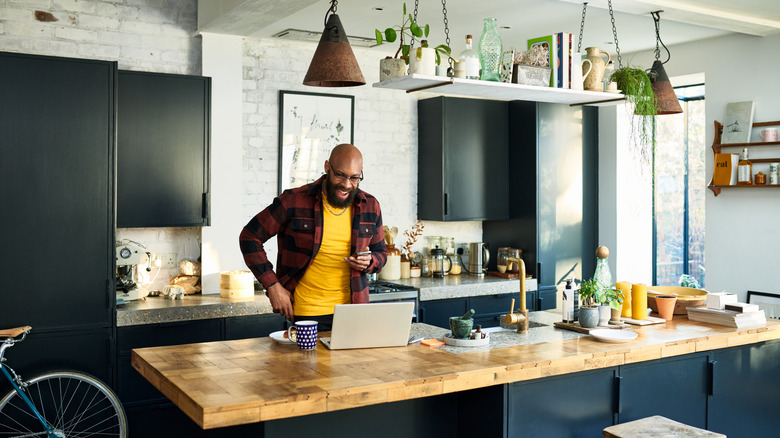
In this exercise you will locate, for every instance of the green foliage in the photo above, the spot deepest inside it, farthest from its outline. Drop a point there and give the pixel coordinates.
(613, 297)
(636, 86)
(407, 32)
(589, 293)
(688, 281)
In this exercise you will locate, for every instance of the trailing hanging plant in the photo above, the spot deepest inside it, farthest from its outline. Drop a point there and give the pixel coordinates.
(636, 86)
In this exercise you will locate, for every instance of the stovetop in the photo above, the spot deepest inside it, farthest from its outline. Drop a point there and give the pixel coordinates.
(385, 290)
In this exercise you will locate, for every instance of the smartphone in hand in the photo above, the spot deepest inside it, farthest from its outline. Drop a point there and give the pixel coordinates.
(360, 253)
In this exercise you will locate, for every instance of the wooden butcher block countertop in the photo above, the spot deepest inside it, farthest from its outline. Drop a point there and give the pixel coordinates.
(245, 381)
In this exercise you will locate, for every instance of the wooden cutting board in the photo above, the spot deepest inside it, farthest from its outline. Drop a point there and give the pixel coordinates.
(503, 274)
(576, 327)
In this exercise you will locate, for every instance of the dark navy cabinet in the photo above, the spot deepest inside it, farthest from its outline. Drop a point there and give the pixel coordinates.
(163, 150)
(487, 308)
(462, 159)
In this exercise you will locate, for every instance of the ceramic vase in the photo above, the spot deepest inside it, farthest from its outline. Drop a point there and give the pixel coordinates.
(605, 313)
(392, 268)
(490, 51)
(598, 65)
(391, 68)
(580, 69)
(665, 305)
(589, 317)
(422, 61)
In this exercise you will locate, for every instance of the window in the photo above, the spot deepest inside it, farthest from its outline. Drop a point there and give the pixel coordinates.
(678, 191)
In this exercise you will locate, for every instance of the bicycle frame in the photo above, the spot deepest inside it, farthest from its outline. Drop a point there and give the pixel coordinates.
(6, 345)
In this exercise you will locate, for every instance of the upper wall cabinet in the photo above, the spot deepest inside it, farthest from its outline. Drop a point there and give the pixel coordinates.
(463, 168)
(163, 150)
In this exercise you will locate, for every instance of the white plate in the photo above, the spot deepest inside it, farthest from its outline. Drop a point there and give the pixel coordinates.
(279, 337)
(611, 335)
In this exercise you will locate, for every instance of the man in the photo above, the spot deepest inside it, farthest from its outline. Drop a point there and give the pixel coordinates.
(329, 234)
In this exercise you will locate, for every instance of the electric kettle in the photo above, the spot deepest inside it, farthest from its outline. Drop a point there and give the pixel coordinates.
(478, 258)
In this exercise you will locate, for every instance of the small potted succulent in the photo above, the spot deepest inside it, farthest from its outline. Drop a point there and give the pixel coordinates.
(423, 58)
(589, 299)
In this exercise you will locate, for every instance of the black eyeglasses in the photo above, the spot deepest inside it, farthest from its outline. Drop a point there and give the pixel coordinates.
(340, 176)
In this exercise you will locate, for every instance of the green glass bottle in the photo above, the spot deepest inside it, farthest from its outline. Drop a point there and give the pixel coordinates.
(602, 276)
(490, 50)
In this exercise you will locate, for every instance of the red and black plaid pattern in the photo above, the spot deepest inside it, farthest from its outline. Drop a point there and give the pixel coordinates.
(295, 218)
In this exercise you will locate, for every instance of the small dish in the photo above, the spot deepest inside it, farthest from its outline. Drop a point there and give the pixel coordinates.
(614, 91)
(279, 337)
(614, 336)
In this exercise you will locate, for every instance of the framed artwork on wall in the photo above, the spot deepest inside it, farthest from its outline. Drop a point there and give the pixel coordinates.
(310, 125)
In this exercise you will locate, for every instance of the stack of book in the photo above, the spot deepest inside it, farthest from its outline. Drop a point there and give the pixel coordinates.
(560, 46)
(734, 315)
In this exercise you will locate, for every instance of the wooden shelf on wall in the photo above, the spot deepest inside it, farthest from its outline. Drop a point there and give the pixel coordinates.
(499, 90)
(717, 146)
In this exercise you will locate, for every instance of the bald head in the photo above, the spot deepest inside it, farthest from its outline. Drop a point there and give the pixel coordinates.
(346, 159)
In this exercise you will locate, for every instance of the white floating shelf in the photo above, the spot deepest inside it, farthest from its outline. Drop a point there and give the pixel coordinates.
(498, 90)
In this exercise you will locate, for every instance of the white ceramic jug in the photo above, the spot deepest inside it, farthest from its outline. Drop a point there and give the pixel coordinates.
(578, 73)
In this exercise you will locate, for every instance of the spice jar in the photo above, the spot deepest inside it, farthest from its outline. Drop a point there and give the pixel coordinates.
(760, 178)
(501, 263)
(456, 264)
(513, 267)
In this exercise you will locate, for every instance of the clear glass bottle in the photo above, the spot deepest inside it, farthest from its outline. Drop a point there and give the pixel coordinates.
(470, 60)
(744, 170)
(490, 51)
(603, 276)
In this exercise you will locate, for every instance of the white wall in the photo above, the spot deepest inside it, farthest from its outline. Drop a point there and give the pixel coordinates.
(742, 235)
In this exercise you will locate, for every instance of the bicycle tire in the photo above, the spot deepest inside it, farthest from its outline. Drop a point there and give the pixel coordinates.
(72, 402)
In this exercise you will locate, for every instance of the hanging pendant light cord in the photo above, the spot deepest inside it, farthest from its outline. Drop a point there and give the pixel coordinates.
(331, 10)
(657, 19)
(582, 26)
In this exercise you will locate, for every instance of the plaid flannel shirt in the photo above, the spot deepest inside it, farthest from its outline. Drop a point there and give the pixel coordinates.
(295, 218)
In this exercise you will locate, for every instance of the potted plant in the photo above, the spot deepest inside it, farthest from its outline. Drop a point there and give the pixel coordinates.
(635, 84)
(613, 297)
(589, 299)
(407, 32)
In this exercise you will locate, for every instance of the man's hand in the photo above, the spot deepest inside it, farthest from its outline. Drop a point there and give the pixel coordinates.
(281, 300)
(359, 261)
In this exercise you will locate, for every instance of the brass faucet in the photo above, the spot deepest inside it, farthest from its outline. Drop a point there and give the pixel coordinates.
(521, 316)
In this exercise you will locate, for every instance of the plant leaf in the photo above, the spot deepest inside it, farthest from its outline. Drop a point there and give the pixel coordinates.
(405, 50)
(390, 35)
(427, 29)
(416, 31)
(378, 36)
(444, 48)
(404, 8)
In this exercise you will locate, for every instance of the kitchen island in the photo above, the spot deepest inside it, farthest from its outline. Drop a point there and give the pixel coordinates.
(529, 388)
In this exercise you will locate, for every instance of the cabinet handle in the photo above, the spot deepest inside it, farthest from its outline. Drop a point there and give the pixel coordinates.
(618, 388)
(205, 204)
(446, 204)
(539, 273)
(711, 381)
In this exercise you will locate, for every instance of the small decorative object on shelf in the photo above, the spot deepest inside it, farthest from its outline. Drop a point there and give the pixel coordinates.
(490, 51)
(744, 169)
(717, 183)
(738, 121)
(532, 67)
(470, 61)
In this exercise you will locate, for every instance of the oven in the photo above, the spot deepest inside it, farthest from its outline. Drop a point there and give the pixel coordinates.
(383, 292)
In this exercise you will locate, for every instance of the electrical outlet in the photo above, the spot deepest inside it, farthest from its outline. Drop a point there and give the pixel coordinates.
(168, 260)
(464, 246)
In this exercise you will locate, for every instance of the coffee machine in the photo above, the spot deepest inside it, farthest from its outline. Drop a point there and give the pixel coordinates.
(128, 260)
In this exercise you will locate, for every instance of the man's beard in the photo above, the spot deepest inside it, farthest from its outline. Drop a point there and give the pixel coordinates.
(334, 199)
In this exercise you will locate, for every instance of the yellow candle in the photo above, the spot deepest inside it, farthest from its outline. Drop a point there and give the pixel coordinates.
(625, 288)
(639, 301)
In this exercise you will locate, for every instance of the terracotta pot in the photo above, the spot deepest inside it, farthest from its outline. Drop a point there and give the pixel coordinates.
(589, 317)
(615, 314)
(665, 304)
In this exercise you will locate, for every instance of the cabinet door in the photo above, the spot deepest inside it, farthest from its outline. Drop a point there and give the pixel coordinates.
(56, 192)
(462, 166)
(547, 298)
(162, 150)
(745, 386)
(253, 326)
(574, 405)
(438, 312)
(675, 388)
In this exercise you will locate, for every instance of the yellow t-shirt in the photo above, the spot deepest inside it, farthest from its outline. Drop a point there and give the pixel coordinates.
(326, 282)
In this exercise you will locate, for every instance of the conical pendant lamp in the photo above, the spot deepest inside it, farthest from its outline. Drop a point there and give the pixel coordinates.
(664, 93)
(334, 64)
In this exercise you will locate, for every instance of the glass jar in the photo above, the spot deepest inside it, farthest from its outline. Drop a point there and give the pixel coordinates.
(513, 267)
(425, 266)
(448, 245)
(501, 262)
(457, 264)
(433, 243)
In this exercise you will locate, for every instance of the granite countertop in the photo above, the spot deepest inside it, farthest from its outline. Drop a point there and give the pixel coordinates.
(542, 330)
(464, 285)
(155, 310)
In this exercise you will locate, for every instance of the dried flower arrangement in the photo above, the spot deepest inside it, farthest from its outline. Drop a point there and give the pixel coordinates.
(411, 238)
(538, 55)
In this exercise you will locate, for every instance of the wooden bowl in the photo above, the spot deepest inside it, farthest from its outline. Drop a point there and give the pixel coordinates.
(686, 296)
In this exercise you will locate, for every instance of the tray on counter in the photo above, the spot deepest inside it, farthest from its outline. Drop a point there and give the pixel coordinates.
(576, 327)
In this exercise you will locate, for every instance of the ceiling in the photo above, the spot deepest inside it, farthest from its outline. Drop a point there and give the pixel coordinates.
(518, 20)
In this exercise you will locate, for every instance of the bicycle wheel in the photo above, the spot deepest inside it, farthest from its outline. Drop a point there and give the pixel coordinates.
(73, 403)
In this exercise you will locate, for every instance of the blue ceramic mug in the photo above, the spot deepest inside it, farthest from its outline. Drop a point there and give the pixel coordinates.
(304, 333)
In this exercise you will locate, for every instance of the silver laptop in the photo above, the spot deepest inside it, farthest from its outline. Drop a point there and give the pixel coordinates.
(370, 325)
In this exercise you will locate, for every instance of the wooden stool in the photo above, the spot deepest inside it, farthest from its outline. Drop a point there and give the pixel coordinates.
(655, 427)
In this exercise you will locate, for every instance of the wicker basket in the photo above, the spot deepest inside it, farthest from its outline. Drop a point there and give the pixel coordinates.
(236, 284)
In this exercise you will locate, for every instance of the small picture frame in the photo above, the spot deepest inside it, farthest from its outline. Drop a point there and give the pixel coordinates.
(507, 62)
(768, 302)
(738, 122)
